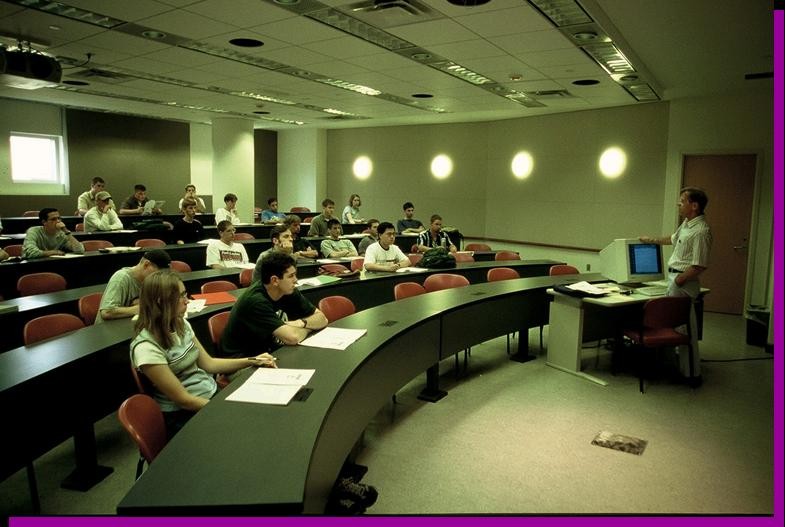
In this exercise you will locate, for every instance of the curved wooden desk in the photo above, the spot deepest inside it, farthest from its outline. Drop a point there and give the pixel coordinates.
(220, 473)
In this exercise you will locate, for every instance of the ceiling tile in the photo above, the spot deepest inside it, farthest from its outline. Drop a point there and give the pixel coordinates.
(128, 11)
(467, 49)
(532, 41)
(240, 13)
(344, 47)
(129, 44)
(186, 24)
(521, 19)
(298, 30)
(433, 32)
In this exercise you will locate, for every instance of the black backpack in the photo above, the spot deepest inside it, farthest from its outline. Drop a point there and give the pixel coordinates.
(437, 258)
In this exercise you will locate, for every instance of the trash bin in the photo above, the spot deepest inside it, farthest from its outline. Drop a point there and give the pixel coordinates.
(757, 325)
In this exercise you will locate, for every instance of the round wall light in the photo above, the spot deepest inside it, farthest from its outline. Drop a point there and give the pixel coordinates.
(612, 163)
(522, 165)
(441, 166)
(362, 167)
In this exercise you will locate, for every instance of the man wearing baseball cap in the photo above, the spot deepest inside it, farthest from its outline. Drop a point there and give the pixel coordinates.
(102, 217)
(121, 296)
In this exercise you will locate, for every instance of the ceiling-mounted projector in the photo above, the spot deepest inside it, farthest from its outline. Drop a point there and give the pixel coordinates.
(28, 70)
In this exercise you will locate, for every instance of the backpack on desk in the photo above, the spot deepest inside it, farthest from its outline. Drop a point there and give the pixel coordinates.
(437, 258)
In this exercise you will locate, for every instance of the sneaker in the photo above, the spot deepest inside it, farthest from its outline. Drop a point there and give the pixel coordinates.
(354, 471)
(347, 488)
(344, 507)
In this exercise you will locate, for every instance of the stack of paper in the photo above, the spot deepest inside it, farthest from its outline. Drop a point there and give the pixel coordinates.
(586, 287)
(410, 269)
(271, 386)
(317, 280)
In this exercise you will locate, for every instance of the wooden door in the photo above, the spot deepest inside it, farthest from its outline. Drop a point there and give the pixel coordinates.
(729, 181)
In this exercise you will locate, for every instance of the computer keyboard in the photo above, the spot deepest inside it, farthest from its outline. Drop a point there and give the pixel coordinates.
(652, 290)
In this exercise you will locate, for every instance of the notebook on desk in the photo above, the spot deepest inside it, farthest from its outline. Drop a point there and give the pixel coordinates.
(152, 204)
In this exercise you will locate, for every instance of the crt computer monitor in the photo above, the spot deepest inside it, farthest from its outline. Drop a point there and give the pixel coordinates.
(630, 261)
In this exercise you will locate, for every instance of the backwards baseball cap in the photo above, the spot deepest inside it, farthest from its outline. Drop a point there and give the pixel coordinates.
(158, 258)
(103, 196)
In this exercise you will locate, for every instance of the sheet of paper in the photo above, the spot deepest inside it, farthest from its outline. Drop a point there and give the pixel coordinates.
(264, 393)
(122, 249)
(66, 255)
(328, 260)
(248, 265)
(586, 287)
(281, 376)
(334, 338)
(195, 306)
(317, 280)
(410, 269)
(126, 230)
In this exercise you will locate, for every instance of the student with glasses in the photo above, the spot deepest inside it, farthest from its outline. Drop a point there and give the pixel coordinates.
(168, 353)
(51, 238)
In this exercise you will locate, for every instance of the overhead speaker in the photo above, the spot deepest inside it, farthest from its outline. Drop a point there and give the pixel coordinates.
(27, 70)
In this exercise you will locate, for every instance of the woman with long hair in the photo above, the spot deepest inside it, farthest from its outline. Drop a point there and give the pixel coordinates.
(168, 353)
(351, 213)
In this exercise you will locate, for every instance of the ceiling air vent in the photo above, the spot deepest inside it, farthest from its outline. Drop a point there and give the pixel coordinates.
(99, 75)
(390, 13)
(550, 94)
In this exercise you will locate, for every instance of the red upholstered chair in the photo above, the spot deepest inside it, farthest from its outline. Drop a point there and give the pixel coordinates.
(141, 417)
(414, 258)
(30, 214)
(507, 255)
(48, 326)
(300, 209)
(661, 317)
(506, 273)
(414, 248)
(463, 257)
(307, 219)
(150, 243)
(244, 236)
(336, 307)
(562, 269)
(88, 307)
(79, 227)
(179, 266)
(357, 264)
(40, 283)
(407, 289)
(437, 282)
(246, 276)
(13, 250)
(334, 269)
(477, 247)
(216, 325)
(94, 245)
(217, 286)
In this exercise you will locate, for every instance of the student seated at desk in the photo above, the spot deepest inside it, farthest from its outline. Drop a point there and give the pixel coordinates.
(334, 246)
(188, 229)
(121, 296)
(225, 252)
(281, 238)
(384, 255)
(301, 247)
(50, 238)
(166, 351)
(102, 217)
(271, 214)
(136, 202)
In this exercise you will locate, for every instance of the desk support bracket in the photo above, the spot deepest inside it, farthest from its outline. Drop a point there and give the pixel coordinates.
(431, 393)
(586, 376)
(87, 472)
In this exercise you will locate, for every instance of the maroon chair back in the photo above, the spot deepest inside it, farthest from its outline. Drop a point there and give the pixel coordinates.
(562, 269)
(244, 236)
(217, 286)
(216, 325)
(150, 242)
(357, 264)
(307, 219)
(414, 258)
(246, 276)
(407, 289)
(88, 307)
(507, 255)
(13, 250)
(666, 312)
(463, 257)
(94, 245)
(477, 247)
(502, 273)
(437, 282)
(179, 266)
(141, 417)
(39, 283)
(336, 269)
(48, 326)
(30, 214)
(336, 307)
(79, 227)
(300, 209)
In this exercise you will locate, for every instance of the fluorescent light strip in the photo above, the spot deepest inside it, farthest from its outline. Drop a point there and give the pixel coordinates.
(67, 11)
(236, 56)
(607, 55)
(562, 12)
(338, 20)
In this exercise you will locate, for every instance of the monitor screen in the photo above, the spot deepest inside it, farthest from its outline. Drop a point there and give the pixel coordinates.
(645, 259)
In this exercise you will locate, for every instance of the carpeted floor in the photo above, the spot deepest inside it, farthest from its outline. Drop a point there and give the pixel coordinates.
(517, 439)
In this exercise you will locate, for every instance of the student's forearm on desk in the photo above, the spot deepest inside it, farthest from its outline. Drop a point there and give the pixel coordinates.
(119, 312)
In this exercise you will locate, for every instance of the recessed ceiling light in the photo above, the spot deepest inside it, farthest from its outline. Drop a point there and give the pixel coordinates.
(515, 76)
(584, 35)
(422, 95)
(76, 83)
(586, 82)
(154, 35)
(55, 28)
(628, 78)
(421, 56)
(246, 42)
(261, 112)
(468, 3)
(287, 2)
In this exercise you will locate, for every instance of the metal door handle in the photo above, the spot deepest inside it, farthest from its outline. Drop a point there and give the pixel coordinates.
(737, 247)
